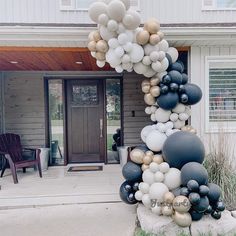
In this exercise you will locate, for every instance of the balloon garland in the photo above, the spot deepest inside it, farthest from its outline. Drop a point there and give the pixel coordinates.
(166, 174)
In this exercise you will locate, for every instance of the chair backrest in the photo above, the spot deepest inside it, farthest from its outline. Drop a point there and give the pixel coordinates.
(11, 144)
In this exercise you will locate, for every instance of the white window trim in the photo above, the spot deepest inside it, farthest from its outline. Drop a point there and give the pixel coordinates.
(215, 127)
(73, 7)
(214, 8)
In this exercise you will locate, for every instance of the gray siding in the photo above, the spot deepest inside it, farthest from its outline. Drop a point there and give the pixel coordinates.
(24, 109)
(133, 102)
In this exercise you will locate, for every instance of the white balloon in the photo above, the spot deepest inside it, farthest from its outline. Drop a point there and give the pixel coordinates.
(163, 45)
(119, 69)
(162, 55)
(159, 177)
(154, 56)
(148, 110)
(169, 125)
(154, 167)
(106, 34)
(93, 54)
(188, 110)
(112, 25)
(119, 51)
(128, 47)
(116, 10)
(126, 3)
(173, 52)
(147, 61)
(103, 19)
(137, 53)
(180, 108)
(162, 128)
(153, 109)
(162, 115)
(112, 58)
(162, 74)
(164, 167)
(164, 64)
(148, 177)
(138, 195)
(173, 179)
(169, 132)
(183, 116)
(145, 131)
(156, 66)
(96, 9)
(157, 192)
(179, 124)
(144, 187)
(123, 38)
(132, 20)
(101, 63)
(127, 66)
(140, 68)
(174, 117)
(121, 28)
(149, 73)
(146, 201)
(113, 43)
(130, 35)
(156, 210)
(155, 140)
(153, 118)
(148, 49)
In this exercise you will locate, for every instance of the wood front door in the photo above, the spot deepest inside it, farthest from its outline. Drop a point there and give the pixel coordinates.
(85, 121)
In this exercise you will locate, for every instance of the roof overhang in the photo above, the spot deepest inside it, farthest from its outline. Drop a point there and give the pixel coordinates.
(73, 36)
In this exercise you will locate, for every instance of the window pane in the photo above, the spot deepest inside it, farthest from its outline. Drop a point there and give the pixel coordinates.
(222, 91)
(83, 4)
(66, 3)
(226, 3)
(56, 121)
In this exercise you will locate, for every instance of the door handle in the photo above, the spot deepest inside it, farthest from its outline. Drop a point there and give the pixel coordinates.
(101, 128)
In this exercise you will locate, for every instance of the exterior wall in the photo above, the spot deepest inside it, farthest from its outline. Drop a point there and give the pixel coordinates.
(24, 107)
(1, 103)
(166, 11)
(198, 76)
(133, 103)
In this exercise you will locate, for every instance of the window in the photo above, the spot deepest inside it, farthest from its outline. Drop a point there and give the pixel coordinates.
(83, 5)
(221, 91)
(219, 4)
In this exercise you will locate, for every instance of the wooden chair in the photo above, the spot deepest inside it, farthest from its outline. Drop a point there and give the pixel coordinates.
(10, 147)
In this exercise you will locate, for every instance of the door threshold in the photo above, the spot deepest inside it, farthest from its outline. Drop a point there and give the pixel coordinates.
(85, 164)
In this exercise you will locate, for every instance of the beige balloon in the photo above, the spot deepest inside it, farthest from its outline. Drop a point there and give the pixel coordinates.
(161, 35)
(137, 156)
(155, 91)
(91, 37)
(97, 36)
(145, 82)
(155, 81)
(147, 160)
(92, 46)
(167, 210)
(182, 219)
(154, 39)
(149, 99)
(149, 153)
(181, 204)
(158, 159)
(146, 88)
(142, 37)
(152, 26)
(100, 56)
(193, 131)
(169, 197)
(144, 167)
(102, 46)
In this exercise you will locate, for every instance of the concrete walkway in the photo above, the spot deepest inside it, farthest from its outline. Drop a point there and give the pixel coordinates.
(101, 219)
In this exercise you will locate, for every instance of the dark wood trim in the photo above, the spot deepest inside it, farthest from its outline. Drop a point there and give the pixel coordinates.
(46, 105)
(122, 110)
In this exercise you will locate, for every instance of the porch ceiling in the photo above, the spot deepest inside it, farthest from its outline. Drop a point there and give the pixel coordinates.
(47, 59)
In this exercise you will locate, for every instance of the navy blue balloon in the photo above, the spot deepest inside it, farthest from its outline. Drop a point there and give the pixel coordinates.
(216, 215)
(184, 98)
(220, 206)
(202, 206)
(174, 87)
(176, 77)
(164, 89)
(169, 59)
(166, 79)
(184, 191)
(168, 101)
(184, 78)
(179, 66)
(203, 190)
(181, 89)
(194, 198)
(214, 192)
(132, 172)
(193, 185)
(196, 216)
(194, 93)
(126, 195)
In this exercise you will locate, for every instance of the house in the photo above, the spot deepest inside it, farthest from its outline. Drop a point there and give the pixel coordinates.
(53, 94)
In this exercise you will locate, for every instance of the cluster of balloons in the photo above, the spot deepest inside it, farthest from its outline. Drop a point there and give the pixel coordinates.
(166, 174)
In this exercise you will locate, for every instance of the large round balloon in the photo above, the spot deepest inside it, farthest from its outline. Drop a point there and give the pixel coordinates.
(132, 172)
(194, 171)
(127, 194)
(214, 192)
(155, 140)
(168, 101)
(193, 92)
(183, 147)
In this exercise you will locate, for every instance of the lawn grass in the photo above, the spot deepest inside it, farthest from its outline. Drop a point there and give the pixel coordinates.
(140, 232)
(109, 141)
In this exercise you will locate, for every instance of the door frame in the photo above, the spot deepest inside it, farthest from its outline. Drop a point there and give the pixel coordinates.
(65, 78)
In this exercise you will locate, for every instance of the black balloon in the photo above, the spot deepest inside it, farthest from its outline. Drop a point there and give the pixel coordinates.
(176, 76)
(166, 79)
(203, 190)
(214, 192)
(168, 101)
(194, 171)
(209, 210)
(193, 185)
(132, 172)
(194, 198)
(184, 191)
(220, 206)
(184, 79)
(164, 89)
(183, 147)
(174, 87)
(196, 215)
(184, 98)
(216, 215)
(202, 206)
(194, 93)
(126, 193)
